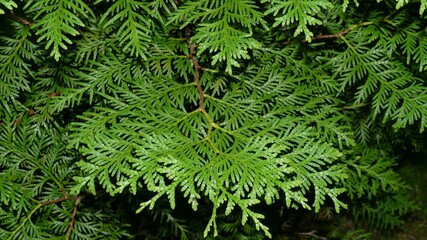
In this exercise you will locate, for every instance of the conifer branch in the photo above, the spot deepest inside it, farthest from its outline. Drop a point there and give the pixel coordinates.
(277, 122)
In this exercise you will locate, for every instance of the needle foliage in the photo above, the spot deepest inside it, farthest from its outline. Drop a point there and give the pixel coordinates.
(199, 115)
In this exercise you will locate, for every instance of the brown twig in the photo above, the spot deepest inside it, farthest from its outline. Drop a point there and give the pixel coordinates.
(64, 198)
(325, 36)
(313, 234)
(55, 201)
(336, 35)
(31, 112)
(20, 19)
(54, 94)
(76, 200)
(73, 217)
(197, 68)
(354, 107)
(17, 121)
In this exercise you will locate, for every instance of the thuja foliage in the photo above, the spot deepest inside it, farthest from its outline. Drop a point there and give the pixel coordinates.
(218, 108)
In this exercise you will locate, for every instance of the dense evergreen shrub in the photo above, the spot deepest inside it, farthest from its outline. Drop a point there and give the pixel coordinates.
(198, 119)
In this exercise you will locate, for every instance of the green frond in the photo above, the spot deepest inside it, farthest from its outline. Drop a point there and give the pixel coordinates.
(372, 172)
(95, 43)
(423, 6)
(41, 173)
(230, 43)
(230, 142)
(9, 4)
(393, 90)
(16, 56)
(108, 71)
(243, 13)
(411, 40)
(401, 3)
(347, 2)
(385, 214)
(218, 32)
(57, 21)
(301, 12)
(132, 23)
(185, 13)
